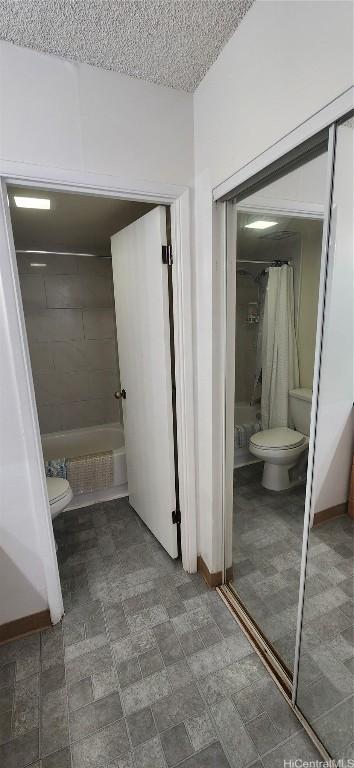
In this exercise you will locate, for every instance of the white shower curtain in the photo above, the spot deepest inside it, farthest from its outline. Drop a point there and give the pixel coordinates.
(280, 365)
(262, 286)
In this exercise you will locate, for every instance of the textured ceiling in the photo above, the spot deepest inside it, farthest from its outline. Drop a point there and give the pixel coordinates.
(171, 42)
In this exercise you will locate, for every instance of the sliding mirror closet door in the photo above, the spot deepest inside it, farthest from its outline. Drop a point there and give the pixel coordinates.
(275, 294)
(325, 676)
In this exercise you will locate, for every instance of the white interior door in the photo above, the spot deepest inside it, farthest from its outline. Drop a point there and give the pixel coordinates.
(142, 313)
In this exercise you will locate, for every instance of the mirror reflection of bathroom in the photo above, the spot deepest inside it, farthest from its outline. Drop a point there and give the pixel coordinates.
(64, 263)
(326, 663)
(279, 239)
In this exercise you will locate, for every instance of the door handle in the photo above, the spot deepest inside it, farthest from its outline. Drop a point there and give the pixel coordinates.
(120, 395)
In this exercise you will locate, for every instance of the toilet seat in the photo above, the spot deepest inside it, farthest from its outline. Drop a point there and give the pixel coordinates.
(59, 494)
(281, 438)
(57, 488)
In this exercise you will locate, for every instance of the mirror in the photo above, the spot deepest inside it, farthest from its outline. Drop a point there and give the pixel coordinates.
(325, 677)
(278, 261)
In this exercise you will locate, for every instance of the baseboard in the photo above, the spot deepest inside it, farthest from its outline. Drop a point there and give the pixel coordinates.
(212, 579)
(25, 626)
(329, 513)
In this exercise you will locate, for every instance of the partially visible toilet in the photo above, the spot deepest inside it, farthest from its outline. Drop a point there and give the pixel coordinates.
(281, 448)
(59, 495)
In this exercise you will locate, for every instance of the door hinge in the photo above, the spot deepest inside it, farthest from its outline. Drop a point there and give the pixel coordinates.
(176, 517)
(167, 257)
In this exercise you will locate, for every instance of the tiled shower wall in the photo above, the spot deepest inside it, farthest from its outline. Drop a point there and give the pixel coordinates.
(70, 320)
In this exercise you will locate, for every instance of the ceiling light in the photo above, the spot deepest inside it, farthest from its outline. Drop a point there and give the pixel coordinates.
(261, 224)
(37, 264)
(32, 202)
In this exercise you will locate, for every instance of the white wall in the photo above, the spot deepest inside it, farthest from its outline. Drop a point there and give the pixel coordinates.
(54, 116)
(308, 302)
(66, 115)
(286, 61)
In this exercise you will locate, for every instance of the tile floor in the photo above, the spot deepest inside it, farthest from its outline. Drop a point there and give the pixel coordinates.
(267, 554)
(147, 670)
(267, 543)
(326, 683)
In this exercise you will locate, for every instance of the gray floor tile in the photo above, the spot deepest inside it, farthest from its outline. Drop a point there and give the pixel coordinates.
(201, 730)
(52, 678)
(116, 622)
(176, 707)
(52, 644)
(168, 643)
(149, 755)
(26, 709)
(319, 697)
(240, 748)
(176, 744)
(188, 590)
(21, 751)
(191, 642)
(335, 728)
(210, 757)
(85, 646)
(150, 662)
(6, 698)
(80, 693)
(54, 723)
(106, 745)
(94, 716)
(263, 734)
(61, 759)
(210, 634)
(149, 617)
(128, 672)
(298, 747)
(223, 683)
(88, 663)
(148, 691)
(156, 615)
(179, 674)
(7, 675)
(247, 704)
(175, 609)
(5, 726)
(279, 711)
(104, 683)
(141, 726)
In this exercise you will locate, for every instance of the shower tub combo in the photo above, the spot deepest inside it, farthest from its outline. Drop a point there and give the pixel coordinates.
(92, 458)
(247, 422)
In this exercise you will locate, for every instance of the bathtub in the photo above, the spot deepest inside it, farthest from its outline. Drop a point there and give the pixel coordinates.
(86, 441)
(247, 421)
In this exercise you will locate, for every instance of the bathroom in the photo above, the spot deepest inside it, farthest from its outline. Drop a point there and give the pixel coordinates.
(65, 271)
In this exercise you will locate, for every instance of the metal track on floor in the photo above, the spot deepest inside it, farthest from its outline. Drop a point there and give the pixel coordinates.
(270, 660)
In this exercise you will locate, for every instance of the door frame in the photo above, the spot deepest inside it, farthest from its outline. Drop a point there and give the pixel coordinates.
(178, 198)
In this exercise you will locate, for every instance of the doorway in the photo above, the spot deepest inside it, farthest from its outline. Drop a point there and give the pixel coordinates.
(93, 320)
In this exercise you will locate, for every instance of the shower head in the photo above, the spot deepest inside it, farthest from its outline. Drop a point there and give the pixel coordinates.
(243, 273)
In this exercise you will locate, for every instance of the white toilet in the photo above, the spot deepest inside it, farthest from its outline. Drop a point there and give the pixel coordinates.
(281, 448)
(59, 495)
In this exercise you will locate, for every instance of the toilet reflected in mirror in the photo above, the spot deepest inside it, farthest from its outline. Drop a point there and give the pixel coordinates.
(281, 448)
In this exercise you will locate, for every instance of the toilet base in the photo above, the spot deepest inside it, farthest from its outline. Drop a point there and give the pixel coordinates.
(276, 476)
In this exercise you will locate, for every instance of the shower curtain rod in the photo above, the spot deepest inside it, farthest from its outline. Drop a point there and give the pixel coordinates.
(37, 251)
(265, 261)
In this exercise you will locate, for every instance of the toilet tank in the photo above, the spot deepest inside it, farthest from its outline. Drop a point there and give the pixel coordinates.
(300, 409)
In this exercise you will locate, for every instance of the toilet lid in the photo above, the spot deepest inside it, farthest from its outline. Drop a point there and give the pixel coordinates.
(281, 438)
(57, 487)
